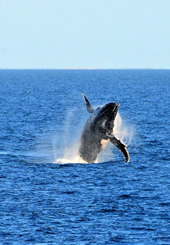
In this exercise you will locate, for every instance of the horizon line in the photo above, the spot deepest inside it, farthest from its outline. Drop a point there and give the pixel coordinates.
(84, 68)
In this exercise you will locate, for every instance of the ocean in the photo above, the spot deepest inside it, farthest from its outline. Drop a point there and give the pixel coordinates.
(47, 195)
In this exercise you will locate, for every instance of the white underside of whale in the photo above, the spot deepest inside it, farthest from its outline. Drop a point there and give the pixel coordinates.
(104, 143)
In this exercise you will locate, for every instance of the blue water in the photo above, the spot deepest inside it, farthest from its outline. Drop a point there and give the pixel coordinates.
(44, 201)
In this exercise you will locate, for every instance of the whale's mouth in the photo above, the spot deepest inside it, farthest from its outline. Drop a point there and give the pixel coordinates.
(106, 117)
(111, 115)
(116, 107)
(110, 110)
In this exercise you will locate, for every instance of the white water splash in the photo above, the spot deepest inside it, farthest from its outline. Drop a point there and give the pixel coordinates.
(70, 154)
(123, 131)
(66, 149)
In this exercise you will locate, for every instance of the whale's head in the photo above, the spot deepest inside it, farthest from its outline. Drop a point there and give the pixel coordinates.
(104, 117)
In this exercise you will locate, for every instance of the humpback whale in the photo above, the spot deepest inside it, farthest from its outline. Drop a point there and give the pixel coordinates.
(98, 131)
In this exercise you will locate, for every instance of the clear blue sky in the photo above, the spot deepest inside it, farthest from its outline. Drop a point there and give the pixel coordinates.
(85, 34)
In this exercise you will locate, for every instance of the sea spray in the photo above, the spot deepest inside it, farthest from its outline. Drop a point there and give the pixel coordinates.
(123, 130)
(62, 146)
(68, 145)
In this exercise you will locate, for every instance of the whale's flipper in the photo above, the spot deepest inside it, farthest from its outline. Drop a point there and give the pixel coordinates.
(121, 146)
(88, 105)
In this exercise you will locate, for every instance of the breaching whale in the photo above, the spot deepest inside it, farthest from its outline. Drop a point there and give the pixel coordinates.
(98, 131)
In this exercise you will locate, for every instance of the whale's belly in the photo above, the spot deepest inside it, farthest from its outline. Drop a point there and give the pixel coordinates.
(104, 143)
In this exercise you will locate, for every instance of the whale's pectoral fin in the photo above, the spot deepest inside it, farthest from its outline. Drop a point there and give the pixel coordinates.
(88, 105)
(121, 146)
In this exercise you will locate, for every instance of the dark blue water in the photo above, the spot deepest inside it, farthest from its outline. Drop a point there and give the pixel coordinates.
(112, 202)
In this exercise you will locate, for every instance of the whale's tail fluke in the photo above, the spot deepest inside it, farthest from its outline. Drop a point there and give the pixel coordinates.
(88, 105)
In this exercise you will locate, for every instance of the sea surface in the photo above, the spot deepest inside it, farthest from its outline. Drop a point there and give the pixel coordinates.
(47, 196)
